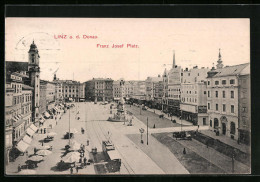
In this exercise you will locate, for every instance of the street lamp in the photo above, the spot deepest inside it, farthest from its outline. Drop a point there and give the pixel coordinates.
(147, 130)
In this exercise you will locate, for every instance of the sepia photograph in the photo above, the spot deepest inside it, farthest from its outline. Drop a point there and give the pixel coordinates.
(127, 96)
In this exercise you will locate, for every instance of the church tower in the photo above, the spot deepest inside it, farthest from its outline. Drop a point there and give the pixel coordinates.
(173, 61)
(219, 65)
(34, 75)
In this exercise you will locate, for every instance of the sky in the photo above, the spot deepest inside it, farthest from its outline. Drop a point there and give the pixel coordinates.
(196, 42)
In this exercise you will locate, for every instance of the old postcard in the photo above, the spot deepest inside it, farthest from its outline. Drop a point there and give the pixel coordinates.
(127, 96)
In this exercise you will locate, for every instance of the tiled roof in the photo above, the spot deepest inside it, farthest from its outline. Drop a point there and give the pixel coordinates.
(14, 66)
(230, 70)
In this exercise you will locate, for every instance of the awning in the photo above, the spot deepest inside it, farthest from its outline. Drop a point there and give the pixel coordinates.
(27, 139)
(33, 127)
(30, 132)
(22, 146)
(113, 154)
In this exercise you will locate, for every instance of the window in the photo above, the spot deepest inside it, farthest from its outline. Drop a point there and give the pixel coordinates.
(224, 107)
(232, 81)
(232, 109)
(224, 82)
(208, 105)
(224, 94)
(216, 82)
(216, 94)
(232, 128)
(244, 109)
(232, 94)
(216, 107)
(208, 82)
(210, 123)
(208, 93)
(205, 92)
(204, 121)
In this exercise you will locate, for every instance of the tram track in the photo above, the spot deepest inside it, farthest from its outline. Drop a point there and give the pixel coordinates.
(124, 162)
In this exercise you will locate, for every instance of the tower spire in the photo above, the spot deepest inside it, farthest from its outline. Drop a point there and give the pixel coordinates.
(219, 65)
(173, 61)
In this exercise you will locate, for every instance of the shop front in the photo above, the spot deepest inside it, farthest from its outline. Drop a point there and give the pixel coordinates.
(191, 117)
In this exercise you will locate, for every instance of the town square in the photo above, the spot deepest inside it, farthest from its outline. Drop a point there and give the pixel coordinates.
(73, 108)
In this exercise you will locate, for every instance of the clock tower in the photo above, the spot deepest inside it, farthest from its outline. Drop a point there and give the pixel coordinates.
(34, 75)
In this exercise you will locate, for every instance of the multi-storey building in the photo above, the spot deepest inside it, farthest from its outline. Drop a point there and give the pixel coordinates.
(194, 103)
(71, 89)
(244, 106)
(43, 88)
(58, 90)
(129, 89)
(193, 95)
(82, 94)
(18, 112)
(174, 90)
(99, 89)
(50, 97)
(223, 98)
(117, 91)
(158, 94)
(165, 92)
(150, 83)
(139, 92)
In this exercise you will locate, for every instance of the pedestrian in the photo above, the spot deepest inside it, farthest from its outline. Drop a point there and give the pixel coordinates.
(154, 126)
(35, 150)
(198, 126)
(42, 143)
(80, 159)
(77, 169)
(60, 117)
(85, 161)
(44, 130)
(41, 130)
(19, 168)
(71, 170)
(184, 151)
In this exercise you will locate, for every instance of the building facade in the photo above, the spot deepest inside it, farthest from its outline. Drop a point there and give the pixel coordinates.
(18, 111)
(174, 90)
(223, 99)
(244, 100)
(99, 89)
(194, 103)
(71, 90)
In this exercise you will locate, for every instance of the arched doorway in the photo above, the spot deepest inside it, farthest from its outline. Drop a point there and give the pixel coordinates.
(224, 121)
